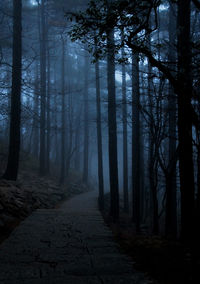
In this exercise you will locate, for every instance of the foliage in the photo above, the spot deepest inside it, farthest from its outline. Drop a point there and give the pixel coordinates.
(131, 17)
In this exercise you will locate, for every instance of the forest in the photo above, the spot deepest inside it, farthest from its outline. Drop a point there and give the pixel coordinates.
(108, 91)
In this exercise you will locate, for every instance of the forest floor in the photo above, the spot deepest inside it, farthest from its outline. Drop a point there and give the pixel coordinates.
(169, 262)
(18, 199)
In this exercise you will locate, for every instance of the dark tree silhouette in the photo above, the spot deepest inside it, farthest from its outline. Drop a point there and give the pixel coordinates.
(15, 114)
(185, 120)
(63, 114)
(125, 136)
(99, 135)
(112, 125)
(136, 139)
(42, 169)
(86, 120)
(170, 176)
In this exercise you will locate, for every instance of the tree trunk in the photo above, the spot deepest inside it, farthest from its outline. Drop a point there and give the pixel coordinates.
(36, 114)
(48, 146)
(171, 206)
(185, 121)
(63, 116)
(198, 193)
(86, 122)
(99, 138)
(152, 159)
(15, 115)
(77, 141)
(42, 167)
(55, 153)
(112, 123)
(142, 173)
(69, 134)
(136, 140)
(125, 142)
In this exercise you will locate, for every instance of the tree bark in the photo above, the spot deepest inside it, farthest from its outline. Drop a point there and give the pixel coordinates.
(42, 166)
(48, 116)
(36, 114)
(99, 138)
(136, 140)
(125, 140)
(112, 123)
(86, 122)
(152, 158)
(77, 140)
(185, 121)
(171, 206)
(63, 116)
(15, 115)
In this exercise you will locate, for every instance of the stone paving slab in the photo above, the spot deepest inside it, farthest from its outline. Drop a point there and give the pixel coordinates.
(64, 246)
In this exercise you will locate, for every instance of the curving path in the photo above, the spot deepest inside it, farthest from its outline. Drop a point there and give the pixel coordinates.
(69, 245)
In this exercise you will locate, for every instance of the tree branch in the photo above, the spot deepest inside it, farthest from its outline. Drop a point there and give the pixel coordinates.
(153, 61)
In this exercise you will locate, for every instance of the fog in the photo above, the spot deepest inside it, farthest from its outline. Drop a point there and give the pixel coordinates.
(106, 92)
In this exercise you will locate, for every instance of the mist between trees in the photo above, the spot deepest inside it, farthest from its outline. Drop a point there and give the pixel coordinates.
(109, 89)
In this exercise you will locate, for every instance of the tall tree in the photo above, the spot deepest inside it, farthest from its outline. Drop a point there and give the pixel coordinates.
(152, 149)
(48, 116)
(112, 123)
(99, 135)
(171, 206)
(125, 137)
(42, 27)
(63, 114)
(185, 120)
(183, 88)
(86, 120)
(15, 115)
(36, 113)
(136, 140)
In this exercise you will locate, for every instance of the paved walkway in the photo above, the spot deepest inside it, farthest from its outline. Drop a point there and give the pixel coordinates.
(69, 245)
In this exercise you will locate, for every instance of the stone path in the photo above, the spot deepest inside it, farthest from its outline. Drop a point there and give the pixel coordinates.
(63, 246)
